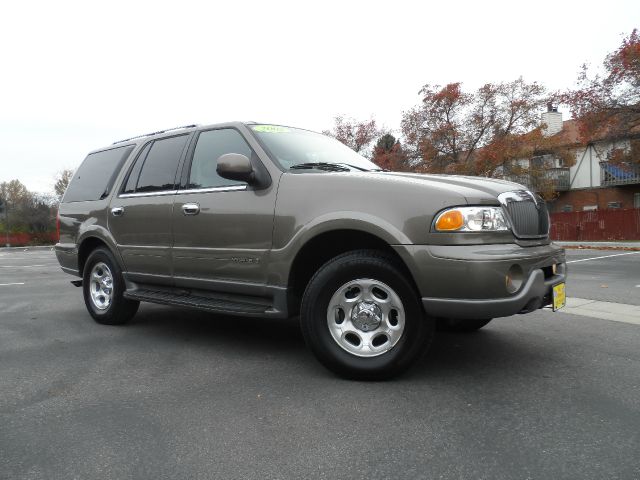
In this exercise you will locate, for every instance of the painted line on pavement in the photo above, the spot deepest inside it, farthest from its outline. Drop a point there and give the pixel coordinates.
(616, 312)
(604, 256)
(8, 284)
(27, 266)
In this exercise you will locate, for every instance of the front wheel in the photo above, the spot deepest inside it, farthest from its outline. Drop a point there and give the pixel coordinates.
(362, 318)
(103, 288)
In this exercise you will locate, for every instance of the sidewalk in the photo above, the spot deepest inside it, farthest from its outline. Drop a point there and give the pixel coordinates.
(622, 245)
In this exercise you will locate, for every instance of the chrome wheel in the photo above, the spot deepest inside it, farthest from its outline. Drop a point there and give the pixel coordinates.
(366, 317)
(101, 286)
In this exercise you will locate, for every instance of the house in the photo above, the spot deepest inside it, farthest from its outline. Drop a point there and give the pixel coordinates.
(592, 181)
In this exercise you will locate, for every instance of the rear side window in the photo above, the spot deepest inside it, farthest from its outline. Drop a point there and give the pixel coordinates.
(95, 177)
(211, 144)
(159, 166)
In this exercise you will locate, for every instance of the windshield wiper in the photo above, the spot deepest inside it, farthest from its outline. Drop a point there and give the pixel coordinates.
(329, 167)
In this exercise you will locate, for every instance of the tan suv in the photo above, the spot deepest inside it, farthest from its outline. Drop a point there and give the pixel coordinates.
(272, 221)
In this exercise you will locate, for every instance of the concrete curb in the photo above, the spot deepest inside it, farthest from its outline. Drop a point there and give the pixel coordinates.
(628, 246)
(24, 249)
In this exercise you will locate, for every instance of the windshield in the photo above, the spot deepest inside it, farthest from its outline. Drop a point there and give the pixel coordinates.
(293, 146)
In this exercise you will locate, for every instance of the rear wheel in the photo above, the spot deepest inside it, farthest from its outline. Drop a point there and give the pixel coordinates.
(456, 325)
(103, 288)
(362, 318)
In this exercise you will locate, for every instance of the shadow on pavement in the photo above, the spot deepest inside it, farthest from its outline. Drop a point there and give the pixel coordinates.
(497, 349)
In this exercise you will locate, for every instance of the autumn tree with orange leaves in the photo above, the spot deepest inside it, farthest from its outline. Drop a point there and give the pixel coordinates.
(355, 134)
(388, 154)
(607, 105)
(490, 132)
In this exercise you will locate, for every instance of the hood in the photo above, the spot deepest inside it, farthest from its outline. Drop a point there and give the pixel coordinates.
(475, 190)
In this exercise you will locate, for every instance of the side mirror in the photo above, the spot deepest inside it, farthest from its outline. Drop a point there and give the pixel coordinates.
(235, 166)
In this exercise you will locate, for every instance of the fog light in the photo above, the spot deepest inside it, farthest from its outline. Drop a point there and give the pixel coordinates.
(513, 279)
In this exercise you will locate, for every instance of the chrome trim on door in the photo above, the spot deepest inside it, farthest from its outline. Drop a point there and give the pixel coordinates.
(229, 188)
(148, 194)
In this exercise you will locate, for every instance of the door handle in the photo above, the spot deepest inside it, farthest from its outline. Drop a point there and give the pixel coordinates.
(117, 211)
(190, 208)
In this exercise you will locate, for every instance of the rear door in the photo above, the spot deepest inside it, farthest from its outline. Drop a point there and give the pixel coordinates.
(140, 215)
(222, 228)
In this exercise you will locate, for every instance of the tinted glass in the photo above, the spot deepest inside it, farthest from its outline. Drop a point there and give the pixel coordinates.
(210, 146)
(293, 146)
(159, 169)
(135, 171)
(94, 178)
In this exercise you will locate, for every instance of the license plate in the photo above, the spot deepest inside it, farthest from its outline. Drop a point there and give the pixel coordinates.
(559, 297)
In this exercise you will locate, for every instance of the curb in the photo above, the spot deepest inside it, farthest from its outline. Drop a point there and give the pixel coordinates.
(25, 249)
(595, 246)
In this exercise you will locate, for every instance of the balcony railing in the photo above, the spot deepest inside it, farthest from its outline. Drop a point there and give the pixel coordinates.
(555, 178)
(619, 173)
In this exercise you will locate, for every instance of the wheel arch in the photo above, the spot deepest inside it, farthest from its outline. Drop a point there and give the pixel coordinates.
(324, 246)
(88, 244)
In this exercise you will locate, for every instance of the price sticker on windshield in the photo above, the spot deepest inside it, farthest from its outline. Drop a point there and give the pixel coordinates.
(270, 129)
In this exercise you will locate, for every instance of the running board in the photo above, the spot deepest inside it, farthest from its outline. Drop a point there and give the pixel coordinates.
(182, 299)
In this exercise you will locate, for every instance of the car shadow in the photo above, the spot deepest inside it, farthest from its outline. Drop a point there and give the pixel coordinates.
(497, 349)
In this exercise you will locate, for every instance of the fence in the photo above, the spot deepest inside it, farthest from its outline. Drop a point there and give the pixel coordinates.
(24, 239)
(596, 225)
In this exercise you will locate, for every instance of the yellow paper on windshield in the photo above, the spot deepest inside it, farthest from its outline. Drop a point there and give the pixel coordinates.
(270, 129)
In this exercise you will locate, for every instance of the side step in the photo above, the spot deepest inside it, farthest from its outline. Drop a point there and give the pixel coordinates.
(194, 301)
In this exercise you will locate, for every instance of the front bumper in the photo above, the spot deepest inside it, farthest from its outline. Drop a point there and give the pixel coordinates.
(467, 282)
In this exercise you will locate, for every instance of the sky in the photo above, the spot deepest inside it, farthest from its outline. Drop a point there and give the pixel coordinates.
(76, 76)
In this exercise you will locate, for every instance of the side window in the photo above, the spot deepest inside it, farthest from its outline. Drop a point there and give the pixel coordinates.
(130, 187)
(211, 144)
(95, 177)
(159, 168)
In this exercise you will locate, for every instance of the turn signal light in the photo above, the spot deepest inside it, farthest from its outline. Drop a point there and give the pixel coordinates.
(451, 220)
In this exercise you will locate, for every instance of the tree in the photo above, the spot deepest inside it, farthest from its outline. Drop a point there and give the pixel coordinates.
(27, 211)
(62, 180)
(607, 105)
(13, 192)
(355, 134)
(448, 129)
(389, 155)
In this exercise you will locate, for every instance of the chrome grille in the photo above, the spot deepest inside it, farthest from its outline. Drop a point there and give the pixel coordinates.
(527, 213)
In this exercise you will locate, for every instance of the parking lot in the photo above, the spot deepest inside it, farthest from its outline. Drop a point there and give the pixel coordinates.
(184, 394)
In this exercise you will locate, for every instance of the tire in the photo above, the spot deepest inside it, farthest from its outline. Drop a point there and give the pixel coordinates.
(103, 293)
(346, 339)
(460, 326)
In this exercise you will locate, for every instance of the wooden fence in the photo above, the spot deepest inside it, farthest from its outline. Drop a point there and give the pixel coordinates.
(596, 225)
(25, 239)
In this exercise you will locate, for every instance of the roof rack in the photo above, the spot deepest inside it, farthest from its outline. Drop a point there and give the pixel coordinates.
(156, 133)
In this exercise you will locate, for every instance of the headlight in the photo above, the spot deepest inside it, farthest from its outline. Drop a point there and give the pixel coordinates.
(471, 219)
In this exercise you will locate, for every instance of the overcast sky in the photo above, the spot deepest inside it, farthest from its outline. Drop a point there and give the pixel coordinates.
(76, 76)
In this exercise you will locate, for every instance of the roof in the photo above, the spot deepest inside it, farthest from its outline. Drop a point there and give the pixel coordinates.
(571, 134)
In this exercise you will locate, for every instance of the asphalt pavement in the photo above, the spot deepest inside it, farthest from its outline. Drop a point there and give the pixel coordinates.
(184, 394)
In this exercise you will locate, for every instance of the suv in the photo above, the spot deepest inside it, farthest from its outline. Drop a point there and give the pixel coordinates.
(271, 221)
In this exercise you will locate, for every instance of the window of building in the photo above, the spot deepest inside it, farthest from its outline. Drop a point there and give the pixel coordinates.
(614, 205)
(588, 208)
(567, 208)
(159, 168)
(636, 200)
(211, 145)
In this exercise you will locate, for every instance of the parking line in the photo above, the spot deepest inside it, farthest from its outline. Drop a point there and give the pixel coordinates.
(26, 266)
(7, 284)
(604, 256)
